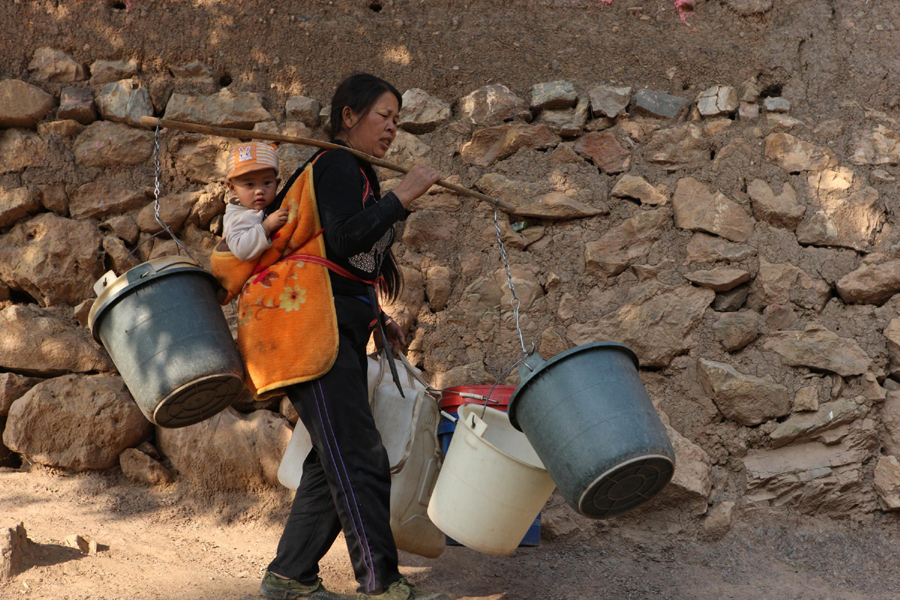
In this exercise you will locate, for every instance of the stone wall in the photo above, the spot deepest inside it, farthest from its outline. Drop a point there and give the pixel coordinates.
(750, 258)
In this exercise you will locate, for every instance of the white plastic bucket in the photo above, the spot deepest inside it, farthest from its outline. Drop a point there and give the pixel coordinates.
(492, 484)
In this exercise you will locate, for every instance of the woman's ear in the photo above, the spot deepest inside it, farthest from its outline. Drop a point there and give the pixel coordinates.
(348, 117)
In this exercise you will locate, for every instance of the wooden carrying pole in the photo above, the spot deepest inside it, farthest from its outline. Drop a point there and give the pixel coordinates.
(274, 137)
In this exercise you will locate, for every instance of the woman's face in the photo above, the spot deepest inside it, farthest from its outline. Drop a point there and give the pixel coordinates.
(372, 132)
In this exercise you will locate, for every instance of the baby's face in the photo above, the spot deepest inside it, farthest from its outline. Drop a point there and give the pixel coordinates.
(255, 189)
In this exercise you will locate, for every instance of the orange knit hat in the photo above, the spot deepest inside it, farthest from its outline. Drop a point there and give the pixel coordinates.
(250, 156)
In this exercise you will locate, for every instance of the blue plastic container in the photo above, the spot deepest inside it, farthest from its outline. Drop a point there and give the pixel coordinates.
(445, 433)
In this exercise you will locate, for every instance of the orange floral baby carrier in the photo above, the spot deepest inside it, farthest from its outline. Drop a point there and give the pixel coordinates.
(287, 326)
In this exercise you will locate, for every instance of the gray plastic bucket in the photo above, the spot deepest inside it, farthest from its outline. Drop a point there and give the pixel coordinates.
(591, 422)
(164, 329)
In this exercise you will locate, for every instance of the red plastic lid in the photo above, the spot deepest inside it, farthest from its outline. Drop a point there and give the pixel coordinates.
(451, 398)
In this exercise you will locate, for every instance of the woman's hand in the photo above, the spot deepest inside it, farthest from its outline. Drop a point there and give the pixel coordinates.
(396, 339)
(415, 183)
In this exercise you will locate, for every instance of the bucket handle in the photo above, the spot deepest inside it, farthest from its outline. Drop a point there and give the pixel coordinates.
(475, 430)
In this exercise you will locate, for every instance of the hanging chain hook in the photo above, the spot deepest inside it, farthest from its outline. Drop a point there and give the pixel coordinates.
(514, 301)
(156, 193)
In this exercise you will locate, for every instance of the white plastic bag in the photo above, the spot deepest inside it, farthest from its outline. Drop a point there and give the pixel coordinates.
(408, 428)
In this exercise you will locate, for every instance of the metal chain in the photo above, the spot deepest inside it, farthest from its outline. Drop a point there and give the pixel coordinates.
(514, 301)
(156, 196)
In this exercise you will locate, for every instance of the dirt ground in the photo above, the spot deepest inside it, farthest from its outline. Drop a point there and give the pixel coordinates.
(831, 59)
(155, 544)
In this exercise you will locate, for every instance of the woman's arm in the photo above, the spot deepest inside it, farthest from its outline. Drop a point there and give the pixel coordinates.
(339, 185)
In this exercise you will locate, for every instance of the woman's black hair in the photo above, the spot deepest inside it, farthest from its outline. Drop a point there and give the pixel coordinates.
(359, 92)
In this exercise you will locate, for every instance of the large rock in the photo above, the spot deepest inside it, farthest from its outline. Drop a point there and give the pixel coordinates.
(488, 146)
(608, 101)
(704, 248)
(633, 186)
(108, 71)
(625, 243)
(35, 342)
(655, 322)
(784, 283)
(77, 422)
(124, 101)
(879, 146)
(306, 110)
(605, 150)
(140, 467)
(18, 203)
(202, 159)
(21, 149)
(14, 545)
(681, 147)
(692, 482)
(813, 477)
(194, 71)
(77, 104)
(807, 425)
(720, 279)
(22, 104)
(566, 122)
(735, 330)
(491, 105)
(408, 150)
(53, 65)
(699, 210)
(892, 337)
(438, 286)
(241, 110)
(230, 451)
(106, 144)
(794, 155)
(39, 257)
(553, 95)
(782, 210)
(818, 348)
(848, 221)
(870, 284)
(887, 482)
(13, 387)
(99, 199)
(743, 398)
(425, 228)
(421, 112)
(890, 418)
(468, 374)
(657, 104)
(173, 210)
(717, 100)
(531, 200)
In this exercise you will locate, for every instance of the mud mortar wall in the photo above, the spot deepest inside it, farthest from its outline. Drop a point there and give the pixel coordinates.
(741, 236)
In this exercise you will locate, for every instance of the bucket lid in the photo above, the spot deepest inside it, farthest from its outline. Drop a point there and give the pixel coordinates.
(110, 288)
(511, 409)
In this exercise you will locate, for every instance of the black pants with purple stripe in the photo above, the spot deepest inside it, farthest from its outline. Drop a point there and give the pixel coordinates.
(346, 483)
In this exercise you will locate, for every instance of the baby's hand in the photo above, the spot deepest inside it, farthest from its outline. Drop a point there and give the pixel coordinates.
(274, 221)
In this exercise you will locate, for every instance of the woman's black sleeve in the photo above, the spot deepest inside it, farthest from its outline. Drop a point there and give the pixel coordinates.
(339, 185)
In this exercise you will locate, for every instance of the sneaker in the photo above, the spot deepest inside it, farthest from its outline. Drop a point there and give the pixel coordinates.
(273, 586)
(402, 590)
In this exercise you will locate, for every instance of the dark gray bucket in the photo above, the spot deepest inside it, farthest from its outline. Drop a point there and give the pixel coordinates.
(591, 422)
(164, 329)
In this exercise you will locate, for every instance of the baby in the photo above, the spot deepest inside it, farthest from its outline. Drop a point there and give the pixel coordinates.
(251, 174)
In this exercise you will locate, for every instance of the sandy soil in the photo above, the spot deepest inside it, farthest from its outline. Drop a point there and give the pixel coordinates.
(160, 544)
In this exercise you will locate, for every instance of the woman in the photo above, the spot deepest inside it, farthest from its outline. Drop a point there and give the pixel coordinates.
(346, 479)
